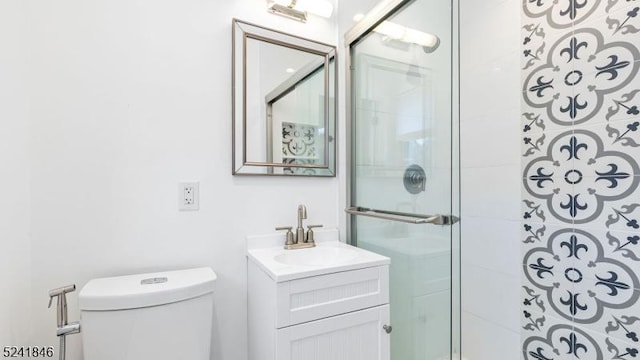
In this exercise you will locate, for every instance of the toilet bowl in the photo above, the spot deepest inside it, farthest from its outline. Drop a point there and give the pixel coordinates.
(158, 316)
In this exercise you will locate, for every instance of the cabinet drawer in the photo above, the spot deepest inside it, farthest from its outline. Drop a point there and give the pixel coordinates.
(354, 336)
(318, 297)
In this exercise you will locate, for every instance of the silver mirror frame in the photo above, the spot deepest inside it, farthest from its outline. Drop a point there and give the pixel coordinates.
(240, 164)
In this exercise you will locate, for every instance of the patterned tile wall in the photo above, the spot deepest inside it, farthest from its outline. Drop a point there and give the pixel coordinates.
(580, 177)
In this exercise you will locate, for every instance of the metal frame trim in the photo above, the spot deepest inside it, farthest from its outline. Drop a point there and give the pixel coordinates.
(330, 54)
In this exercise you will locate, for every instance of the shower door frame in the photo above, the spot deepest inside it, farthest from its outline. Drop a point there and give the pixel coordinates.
(382, 11)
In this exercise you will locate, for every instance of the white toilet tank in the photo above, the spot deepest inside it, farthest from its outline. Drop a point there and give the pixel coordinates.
(159, 316)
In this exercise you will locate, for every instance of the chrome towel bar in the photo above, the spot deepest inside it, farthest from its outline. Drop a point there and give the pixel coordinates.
(402, 217)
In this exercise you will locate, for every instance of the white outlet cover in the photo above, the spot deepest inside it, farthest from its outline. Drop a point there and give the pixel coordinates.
(189, 196)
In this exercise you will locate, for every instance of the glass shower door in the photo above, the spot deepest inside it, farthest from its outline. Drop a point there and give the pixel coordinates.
(402, 163)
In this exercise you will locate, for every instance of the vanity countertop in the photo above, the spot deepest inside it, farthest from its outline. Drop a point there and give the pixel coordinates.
(329, 256)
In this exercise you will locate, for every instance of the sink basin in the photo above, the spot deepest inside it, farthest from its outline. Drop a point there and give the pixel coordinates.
(328, 257)
(317, 256)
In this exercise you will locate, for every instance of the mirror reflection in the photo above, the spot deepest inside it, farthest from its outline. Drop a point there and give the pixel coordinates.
(284, 96)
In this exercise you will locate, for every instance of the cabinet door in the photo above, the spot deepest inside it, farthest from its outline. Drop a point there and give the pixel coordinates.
(354, 336)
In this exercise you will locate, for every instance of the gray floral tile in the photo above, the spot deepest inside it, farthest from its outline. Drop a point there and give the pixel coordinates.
(600, 70)
(537, 316)
(550, 177)
(536, 211)
(553, 209)
(624, 105)
(534, 235)
(537, 38)
(619, 246)
(547, 271)
(607, 347)
(618, 20)
(624, 217)
(621, 139)
(537, 119)
(578, 175)
(602, 284)
(580, 237)
(536, 325)
(621, 215)
(533, 122)
(536, 145)
(623, 23)
(616, 319)
(581, 69)
(561, 14)
(562, 342)
(547, 86)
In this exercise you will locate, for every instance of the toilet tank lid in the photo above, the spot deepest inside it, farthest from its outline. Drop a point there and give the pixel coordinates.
(144, 290)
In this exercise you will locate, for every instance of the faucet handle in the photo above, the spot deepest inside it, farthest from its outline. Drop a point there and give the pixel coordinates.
(289, 234)
(310, 237)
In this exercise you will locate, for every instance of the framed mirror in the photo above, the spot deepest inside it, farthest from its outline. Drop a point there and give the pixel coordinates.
(284, 103)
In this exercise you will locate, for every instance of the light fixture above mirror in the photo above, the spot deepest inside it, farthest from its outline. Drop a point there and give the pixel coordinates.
(299, 9)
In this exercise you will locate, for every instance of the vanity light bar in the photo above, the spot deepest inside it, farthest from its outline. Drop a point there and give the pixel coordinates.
(298, 9)
(288, 11)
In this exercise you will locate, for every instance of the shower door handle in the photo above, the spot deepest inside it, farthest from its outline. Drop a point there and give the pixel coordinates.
(403, 217)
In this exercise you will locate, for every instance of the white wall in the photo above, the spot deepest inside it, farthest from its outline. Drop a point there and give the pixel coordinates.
(14, 177)
(490, 178)
(129, 98)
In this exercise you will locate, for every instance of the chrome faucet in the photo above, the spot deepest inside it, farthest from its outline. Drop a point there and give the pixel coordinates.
(302, 215)
(64, 327)
(301, 239)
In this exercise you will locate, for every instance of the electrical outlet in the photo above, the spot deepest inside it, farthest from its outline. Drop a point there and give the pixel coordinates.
(188, 193)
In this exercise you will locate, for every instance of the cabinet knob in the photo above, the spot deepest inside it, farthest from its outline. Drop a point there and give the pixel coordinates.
(387, 328)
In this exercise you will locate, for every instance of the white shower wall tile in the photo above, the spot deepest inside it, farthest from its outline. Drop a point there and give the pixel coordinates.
(492, 120)
(482, 236)
(483, 102)
(491, 192)
(491, 295)
(488, 21)
(484, 339)
(479, 145)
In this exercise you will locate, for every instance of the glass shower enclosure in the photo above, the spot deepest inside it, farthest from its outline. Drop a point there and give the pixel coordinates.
(402, 104)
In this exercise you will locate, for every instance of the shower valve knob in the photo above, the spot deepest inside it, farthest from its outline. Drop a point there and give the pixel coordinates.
(387, 328)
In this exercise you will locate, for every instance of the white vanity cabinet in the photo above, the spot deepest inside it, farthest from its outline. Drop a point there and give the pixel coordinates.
(330, 313)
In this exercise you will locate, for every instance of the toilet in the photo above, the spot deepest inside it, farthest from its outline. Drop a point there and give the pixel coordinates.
(158, 316)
